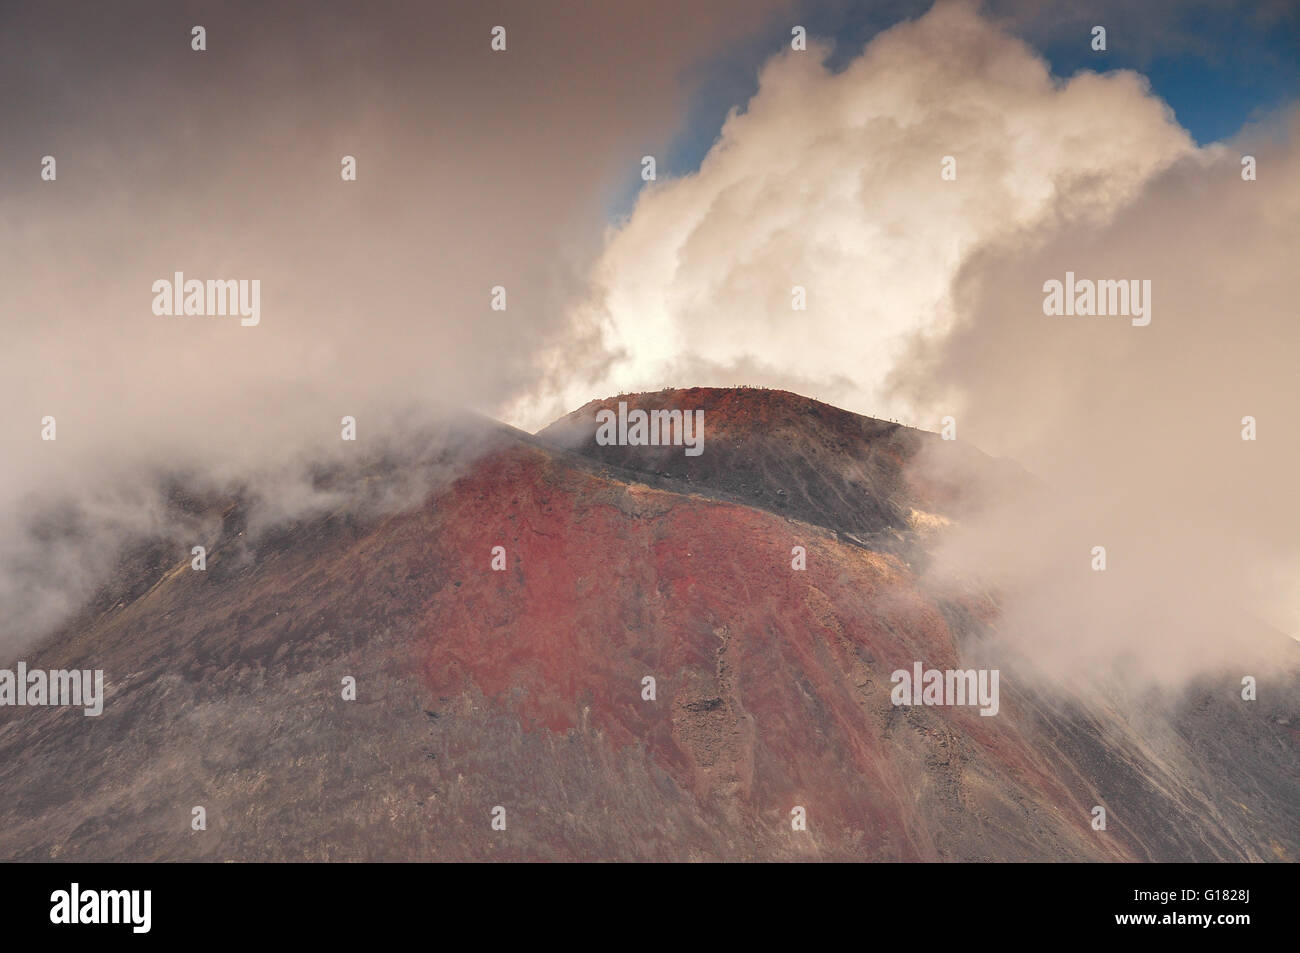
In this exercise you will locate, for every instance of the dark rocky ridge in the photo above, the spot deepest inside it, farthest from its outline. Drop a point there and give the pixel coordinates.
(801, 458)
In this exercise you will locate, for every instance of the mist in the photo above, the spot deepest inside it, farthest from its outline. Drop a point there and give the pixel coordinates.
(1138, 431)
(474, 170)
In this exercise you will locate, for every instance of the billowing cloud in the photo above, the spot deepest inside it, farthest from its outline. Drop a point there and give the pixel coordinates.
(925, 298)
(832, 182)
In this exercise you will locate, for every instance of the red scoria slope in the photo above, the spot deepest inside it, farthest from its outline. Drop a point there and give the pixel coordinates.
(772, 685)
(523, 688)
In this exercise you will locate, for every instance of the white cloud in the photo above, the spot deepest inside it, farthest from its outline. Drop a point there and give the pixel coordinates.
(832, 181)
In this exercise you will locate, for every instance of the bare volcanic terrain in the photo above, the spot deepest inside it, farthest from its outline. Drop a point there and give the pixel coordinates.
(523, 688)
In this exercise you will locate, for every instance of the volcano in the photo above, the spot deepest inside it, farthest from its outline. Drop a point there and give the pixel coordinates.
(564, 650)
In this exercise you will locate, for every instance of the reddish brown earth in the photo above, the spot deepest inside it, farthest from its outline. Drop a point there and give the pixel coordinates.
(523, 688)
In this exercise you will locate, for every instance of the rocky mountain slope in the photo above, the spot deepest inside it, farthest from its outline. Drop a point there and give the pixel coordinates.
(524, 687)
